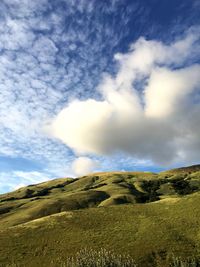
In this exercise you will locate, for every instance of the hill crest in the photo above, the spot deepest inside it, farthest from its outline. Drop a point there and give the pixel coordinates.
(96, 190)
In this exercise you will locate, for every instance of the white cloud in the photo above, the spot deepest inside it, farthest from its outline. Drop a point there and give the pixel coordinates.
(168, 90)
(13, 180)
(38, 73)
(149, 123)
(83, 165)
(18, 186)
(31, 176)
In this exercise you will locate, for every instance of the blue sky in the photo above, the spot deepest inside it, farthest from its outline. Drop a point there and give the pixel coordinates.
(60, 55)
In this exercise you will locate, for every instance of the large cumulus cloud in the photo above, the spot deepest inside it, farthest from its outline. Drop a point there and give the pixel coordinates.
(149, 109)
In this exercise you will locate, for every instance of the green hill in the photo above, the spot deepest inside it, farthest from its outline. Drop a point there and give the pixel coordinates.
(43, 224)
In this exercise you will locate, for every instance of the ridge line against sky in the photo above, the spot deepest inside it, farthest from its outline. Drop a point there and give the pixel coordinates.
(54, 54)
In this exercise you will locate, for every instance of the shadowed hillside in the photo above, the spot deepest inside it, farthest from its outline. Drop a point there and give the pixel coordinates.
(160, 212)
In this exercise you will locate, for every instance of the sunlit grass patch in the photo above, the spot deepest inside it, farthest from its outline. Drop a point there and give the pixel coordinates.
(99, 258)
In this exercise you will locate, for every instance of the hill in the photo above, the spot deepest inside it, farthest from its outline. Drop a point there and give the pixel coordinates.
(52, 220)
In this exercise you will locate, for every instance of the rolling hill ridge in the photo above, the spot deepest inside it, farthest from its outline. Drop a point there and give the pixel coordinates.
(139, 213)
(96, 190)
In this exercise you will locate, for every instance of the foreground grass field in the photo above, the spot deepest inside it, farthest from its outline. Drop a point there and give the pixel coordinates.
(54, 220)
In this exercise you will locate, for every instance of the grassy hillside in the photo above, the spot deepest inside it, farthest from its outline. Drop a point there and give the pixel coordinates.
(41, 225)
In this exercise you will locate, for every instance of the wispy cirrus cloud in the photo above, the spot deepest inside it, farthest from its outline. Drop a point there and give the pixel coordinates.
(17, 179)
(48, 55)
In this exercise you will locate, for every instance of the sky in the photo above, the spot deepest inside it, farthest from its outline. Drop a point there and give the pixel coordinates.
(97, 85)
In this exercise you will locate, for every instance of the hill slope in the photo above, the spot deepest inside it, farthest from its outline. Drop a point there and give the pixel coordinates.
(44, 222)
(95, 190)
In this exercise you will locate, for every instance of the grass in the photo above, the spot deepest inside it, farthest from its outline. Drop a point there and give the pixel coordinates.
(97, 190)
(99, 258)
(138, 230)
(105, 258)
(177, 262)
(58, 219)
